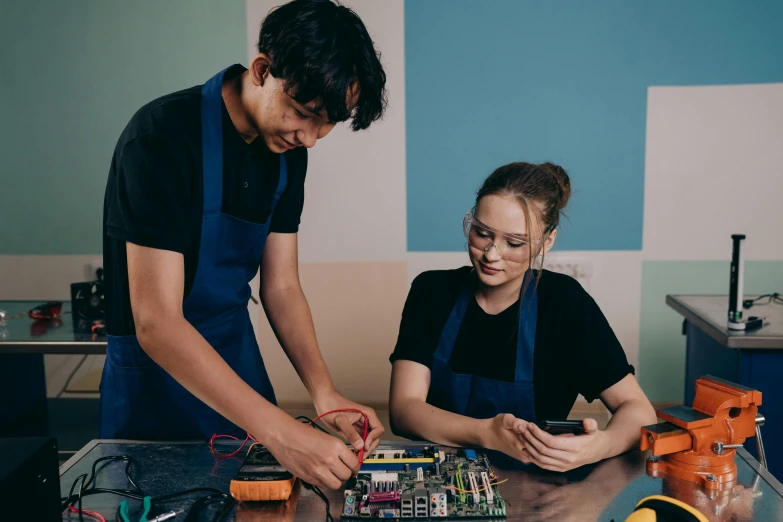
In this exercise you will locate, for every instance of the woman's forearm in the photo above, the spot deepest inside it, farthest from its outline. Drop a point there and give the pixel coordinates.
(416, 418)
(624, 427)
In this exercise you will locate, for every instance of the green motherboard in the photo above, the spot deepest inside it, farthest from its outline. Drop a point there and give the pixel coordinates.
(424, 482)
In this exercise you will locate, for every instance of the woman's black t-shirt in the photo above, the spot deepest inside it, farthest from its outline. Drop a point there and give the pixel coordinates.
(576, 350)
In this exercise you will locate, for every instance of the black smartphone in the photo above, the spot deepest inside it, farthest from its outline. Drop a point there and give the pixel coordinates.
(560, 427)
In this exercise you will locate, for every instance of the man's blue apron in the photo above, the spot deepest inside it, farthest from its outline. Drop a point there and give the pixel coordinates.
(139, 400)
(479, 397)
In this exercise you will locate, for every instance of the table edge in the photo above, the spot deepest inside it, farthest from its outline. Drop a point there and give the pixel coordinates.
(711, 329)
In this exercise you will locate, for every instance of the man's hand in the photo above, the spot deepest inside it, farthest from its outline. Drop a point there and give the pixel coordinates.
(502, 433)
(349, 424)
(563, 452)
(313, 456)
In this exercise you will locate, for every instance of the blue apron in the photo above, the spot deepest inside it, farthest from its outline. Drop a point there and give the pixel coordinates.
(480, 397)
(140, 400)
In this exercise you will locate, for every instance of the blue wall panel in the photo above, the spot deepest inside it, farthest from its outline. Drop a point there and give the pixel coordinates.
(506, 80)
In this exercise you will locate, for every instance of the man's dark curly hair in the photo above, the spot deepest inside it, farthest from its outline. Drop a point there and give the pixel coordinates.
(321, 50)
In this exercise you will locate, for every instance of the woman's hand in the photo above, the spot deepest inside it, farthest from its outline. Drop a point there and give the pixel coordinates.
(563, 452)
(502, 433)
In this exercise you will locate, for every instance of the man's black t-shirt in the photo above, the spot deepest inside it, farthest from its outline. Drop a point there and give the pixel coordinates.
(154, 195)
(576, 350)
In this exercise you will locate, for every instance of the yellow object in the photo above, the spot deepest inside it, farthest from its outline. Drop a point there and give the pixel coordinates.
(670, 509)
(400, 461)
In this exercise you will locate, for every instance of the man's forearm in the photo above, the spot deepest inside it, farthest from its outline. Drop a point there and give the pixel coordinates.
(290, 318)
(174, 344)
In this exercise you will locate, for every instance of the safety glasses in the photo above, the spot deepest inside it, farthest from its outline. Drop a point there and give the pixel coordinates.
(509, 246)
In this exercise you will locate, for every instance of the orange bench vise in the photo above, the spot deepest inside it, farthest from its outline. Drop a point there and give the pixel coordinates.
(698, 443)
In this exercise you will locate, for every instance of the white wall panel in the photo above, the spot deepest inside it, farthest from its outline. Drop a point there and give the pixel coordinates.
(712, 169)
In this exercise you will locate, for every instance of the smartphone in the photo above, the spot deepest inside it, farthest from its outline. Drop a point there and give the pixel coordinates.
(560, 427)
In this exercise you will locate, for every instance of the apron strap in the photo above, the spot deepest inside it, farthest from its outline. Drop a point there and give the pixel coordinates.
(281, 183)
(212, 142)
(212, 147)
(526, 330)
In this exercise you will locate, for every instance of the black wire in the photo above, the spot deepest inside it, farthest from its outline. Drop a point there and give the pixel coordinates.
(225, 510)
(87, 487)
(81, 517)
(130, 480)
(774, 297)
(70, 378)
(122, 458)
(119, 492)
(321, 495)
(312, 423)
(66, 501)
(195, 510)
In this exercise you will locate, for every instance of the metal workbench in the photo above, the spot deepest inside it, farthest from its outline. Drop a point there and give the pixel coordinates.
(753, 359)
(27, 336)
(607, 491)
(23, 343)
(709, 313)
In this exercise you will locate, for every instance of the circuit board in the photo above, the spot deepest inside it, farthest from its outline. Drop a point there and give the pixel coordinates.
(423, 483)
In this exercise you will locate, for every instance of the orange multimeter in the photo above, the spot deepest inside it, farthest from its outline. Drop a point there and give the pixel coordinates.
(261, 477)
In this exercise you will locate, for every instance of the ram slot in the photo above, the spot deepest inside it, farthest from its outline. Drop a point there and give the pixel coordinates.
(487, 488)
(474, 488)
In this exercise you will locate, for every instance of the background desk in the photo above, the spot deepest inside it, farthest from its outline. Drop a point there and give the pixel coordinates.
(753, 359)
(607, 491)
(23, 342)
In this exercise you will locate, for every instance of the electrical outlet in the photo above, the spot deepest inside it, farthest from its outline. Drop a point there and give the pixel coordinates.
(91, 268)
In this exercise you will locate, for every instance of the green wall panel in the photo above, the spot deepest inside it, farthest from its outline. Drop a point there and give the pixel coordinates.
(73, 73)
(661, 345)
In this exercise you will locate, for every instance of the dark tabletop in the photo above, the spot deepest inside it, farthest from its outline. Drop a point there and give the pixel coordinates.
(607, 491)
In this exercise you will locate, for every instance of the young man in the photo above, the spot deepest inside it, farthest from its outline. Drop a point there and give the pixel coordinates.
(205, 185)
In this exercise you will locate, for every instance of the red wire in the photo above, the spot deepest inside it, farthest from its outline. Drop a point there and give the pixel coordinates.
(226, 455)
(248, 437)
(366, 427)
(93, 514)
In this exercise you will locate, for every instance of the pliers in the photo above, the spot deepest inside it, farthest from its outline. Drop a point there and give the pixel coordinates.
(124, 510)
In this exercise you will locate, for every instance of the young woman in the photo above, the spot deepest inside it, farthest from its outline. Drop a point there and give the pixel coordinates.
(486, 351)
